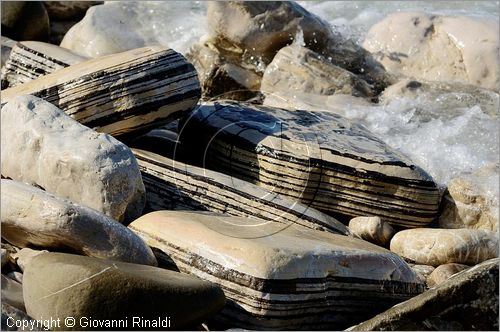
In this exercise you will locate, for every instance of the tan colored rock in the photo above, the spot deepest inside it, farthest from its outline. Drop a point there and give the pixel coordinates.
(298, 69)
(32, 217)
(471, 201)
(372, 229)
(437, 48)
(121, 93)
(43, 146)
(444, 272)
(61, 285)
(431, 246)
(280, 276)
(24, 256)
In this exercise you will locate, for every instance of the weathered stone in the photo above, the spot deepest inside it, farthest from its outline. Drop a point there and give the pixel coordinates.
(223, 78)
(435, 247)
(43, 146)
(7, 45)
(471, 201)
(12, 293)
(16, 276)
(444, 272)
(120, 93)
(437, 48)
(24, 256)
(452, 94)
(107, 290)
(30, 60)
(298, 69)
(14, 319)
(466, 302)
(318, 158)
(68, 10)
(422, 271)
(172, 185)
(33, 217)
(25, 20)
(372, 229)
(279, 276)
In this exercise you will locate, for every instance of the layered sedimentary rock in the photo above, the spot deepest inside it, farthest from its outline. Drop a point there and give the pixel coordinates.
(33, 217)
(466, 302)
(437, 48)
(435, 247)
(172, 185)
(30, 60)
(7, 45)
(41, 145)
(319, 158)
(85, 288)
(120, 93)
(280, 277)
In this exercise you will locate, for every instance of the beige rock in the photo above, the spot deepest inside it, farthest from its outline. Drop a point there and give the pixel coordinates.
(444, 272)
(24, 256)
(62, 285)
(120, 93)
(372, 229)
(43, 146)
(437, 48)
(423, 271)
(471, 201)
(435, 247)
(298, 69)
(279, 276)
(32, 217)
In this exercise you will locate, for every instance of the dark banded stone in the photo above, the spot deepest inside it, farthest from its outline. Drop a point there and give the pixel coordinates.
(120, 93)
(319, 158)
(277, 276)
(172, 185)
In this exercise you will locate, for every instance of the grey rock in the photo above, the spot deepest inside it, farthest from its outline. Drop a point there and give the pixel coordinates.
(14, 319)
(12, 293)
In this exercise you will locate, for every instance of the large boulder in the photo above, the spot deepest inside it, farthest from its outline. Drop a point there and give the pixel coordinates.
(90, 289)
(121, 93)
(25, 20)
(466, 302)
(173, 185)
(321, 159)
(279, 276)
(432, 246)
(437, 48)
(33, 217)
(43, 146)
(298, 69)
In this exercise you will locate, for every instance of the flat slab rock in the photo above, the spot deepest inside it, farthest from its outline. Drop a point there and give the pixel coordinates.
(33, 217)
(61, 285)
(278, 276)
(319, 158)
(172, 185)
(432, 246)
(120, 93)
(468, 301)
(43, 146)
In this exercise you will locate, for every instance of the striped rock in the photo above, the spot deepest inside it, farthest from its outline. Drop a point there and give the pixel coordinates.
(120, 93)
(33, 217)
(280, 277)
(30, 60)
(172, 185)
(42, 146)
(319, 158)
(7, 45)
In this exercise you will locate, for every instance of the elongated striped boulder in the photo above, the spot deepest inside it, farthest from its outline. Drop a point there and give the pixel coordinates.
(29, 60)
(320, 158)
(120, 93)
(172, 185)
(280, 277)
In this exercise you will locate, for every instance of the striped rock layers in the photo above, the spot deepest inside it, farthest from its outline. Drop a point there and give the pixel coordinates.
(277, 277)
(320, 158)
(29, 60)
(172, 185)
(120, 93)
